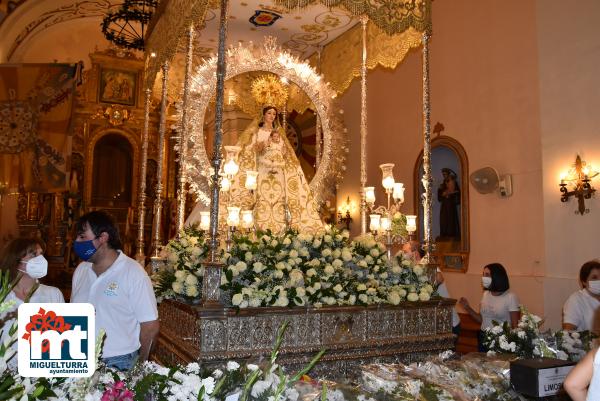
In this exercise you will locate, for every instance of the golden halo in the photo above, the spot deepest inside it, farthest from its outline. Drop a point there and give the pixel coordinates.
(268, 90)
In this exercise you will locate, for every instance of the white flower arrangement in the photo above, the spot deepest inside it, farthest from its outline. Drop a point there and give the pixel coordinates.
(325, 269)
(526, 341)
(181, 276)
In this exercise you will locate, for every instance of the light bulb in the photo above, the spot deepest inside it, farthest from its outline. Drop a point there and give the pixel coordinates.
(369, 194)
(398, 193)
(231, 168)
(251, 180)
(204, 221)
(411, 223)
(233, 216)
(374, 222)
(225, 184)
(247, 219)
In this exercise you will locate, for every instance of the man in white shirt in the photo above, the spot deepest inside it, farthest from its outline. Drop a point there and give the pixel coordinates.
(119, 289)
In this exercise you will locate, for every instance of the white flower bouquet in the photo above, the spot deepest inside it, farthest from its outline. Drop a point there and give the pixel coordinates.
(181, 275)
(325, 269)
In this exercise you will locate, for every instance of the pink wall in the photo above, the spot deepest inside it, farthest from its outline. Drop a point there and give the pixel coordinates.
(484, 89)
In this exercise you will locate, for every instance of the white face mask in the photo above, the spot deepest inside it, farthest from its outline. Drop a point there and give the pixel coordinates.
(594, 287)
(36, 267)
(486, 281)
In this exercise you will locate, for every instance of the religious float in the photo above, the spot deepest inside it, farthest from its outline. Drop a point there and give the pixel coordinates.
(279, 262)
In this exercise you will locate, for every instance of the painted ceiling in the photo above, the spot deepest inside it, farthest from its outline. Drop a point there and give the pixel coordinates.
(67, 30)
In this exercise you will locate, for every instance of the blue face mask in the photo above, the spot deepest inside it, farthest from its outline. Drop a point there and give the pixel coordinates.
(84, 249)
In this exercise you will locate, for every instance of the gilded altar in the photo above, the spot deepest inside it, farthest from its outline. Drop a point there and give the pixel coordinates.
(351, 335)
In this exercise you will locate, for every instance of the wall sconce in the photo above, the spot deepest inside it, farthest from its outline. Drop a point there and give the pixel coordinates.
(344, 212)
(578, 178)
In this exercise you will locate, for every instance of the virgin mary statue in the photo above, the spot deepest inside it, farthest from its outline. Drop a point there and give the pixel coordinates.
(282, 198)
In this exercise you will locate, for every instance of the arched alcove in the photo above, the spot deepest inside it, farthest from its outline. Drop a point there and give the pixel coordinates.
(450, 206)
(112, 172)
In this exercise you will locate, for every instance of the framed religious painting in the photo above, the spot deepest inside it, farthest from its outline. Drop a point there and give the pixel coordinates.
(450, 205)
(117, 87)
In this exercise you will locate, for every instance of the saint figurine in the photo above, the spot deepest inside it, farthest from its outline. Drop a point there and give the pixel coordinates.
(449, 198)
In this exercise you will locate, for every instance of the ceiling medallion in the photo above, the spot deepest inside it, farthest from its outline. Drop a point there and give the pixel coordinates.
(264, 18)
(126, 27)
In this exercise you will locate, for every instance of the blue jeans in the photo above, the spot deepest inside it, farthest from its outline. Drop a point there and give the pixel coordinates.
(122, 362)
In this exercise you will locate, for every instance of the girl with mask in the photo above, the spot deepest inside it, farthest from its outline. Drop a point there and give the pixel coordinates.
(580, 309)
(497, 303)
(23, 257)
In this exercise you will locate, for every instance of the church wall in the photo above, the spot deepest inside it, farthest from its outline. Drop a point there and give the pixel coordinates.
(484, 89)
(569, 55)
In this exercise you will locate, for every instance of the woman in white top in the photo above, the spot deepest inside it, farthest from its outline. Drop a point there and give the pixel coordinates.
(23, 259)
(497, 303)
(583, 382)
(580, 309)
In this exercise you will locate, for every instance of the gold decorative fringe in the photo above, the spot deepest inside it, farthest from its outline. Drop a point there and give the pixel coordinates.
(391, 16)
(382, 49)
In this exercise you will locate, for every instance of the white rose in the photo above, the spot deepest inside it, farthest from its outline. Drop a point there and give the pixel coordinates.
(244, 304)
(177, 287)
(337, 288)
(191, 291)
(423, 296)
(361, 287)
(396, 269)
(300, 292)
(311, 272)
(286, 241)
(254, 302)
(282, 301)
(293, 253)
(317, 286)
(278, 274)
(346, 255)
(329, 269)
(327, 238)
(326, 252)
(394, 298)
(402, 292)
(412, 297)
(241, 266)
(183, 242)
(363, 298)
(296, 277)
(232, 365)
(224, 279)
(191, 280)
(336, 253)
(371, 291)
(316, 243)
(330, 300)
(362, 263)
(337, 263)
(383, 275)
(237, 299)
(248, 256)
(180, 275)
(258, 267)
(196, 251)
(274, 243)
(352, 299)
(374, 252)
(418, 270)
(280, 265)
